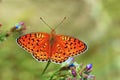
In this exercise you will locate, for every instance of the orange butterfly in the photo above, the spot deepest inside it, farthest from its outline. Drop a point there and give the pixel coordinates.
(51, 47)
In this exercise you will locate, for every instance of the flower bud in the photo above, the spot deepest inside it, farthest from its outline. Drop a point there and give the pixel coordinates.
(21, 23)
(74, 72)
(89, 66)
(17, 26)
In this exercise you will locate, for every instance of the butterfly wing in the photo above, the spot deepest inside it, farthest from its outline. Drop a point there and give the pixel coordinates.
(65, 47)
(37, 44)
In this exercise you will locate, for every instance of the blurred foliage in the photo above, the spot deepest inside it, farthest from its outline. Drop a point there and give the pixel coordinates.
(96, 22)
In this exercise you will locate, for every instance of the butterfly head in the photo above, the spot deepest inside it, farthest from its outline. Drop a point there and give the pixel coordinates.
(53, 32)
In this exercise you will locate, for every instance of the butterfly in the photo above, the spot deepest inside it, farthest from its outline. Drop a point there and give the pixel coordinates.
(51, 47)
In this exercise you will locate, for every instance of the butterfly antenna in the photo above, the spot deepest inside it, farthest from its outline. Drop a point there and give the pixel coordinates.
(45, 23)
(60, 23)
(48, 63)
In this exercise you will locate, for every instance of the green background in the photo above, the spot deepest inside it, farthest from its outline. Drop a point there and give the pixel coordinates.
(96, 22)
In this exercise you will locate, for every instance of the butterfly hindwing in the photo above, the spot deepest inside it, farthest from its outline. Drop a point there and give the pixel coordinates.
(58, 54)
(37, 44)
(66, 47)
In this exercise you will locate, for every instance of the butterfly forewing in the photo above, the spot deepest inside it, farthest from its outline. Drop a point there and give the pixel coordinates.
(37, 44)
(66, 47)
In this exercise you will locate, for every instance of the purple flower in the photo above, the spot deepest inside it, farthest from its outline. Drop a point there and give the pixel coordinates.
(89, 66)
(21, 23)
(74, 72)
(17, 26)
(91, 77)
(71, 65)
